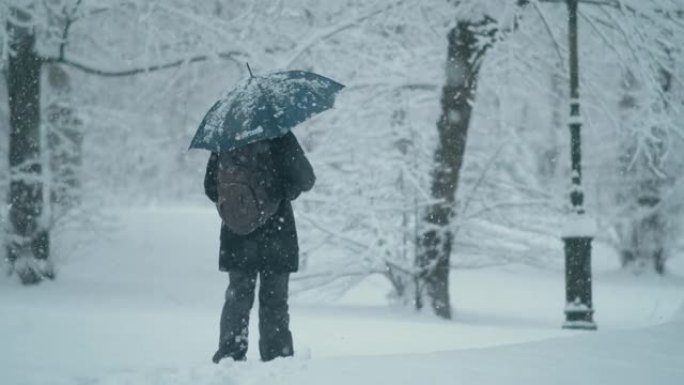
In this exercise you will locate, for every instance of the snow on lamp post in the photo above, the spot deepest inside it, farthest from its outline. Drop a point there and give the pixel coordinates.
(579, 228)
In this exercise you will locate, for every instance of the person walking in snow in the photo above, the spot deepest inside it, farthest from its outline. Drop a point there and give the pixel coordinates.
(272, 173)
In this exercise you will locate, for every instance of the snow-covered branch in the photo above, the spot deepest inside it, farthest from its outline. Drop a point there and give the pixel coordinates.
(235, 56)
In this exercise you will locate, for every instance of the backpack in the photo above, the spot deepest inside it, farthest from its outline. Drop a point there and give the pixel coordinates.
(248, 193)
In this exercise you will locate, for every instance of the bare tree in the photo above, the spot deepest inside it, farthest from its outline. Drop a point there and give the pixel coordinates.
(44, 151)
(28, 243)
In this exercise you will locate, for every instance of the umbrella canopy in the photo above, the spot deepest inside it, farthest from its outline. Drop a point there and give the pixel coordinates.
(264, 107)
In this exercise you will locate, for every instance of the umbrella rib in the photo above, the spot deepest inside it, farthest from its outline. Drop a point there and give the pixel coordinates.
(269, 102)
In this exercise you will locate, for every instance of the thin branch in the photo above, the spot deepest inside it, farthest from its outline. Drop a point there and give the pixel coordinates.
(69, 20)
(481, 178)
(392, 85)
(608, 3)
(508, 205)
(603, 37)
(353, 244)
(647, 68)
(482, 265)
(544, 19)
(214, 24)
(234, 56)
(335, 30)
(332, 275)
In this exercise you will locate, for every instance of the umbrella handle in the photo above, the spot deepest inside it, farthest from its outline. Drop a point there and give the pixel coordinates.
(250, 70)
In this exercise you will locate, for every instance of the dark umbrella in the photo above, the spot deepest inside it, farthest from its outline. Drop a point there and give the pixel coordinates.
(264, 107)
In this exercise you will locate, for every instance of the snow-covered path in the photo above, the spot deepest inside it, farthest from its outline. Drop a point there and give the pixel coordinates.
(141, 307)
(652, 355)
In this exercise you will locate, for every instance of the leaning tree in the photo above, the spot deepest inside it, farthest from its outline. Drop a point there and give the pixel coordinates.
(467, 44)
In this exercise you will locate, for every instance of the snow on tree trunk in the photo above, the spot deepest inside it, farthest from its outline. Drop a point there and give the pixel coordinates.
(28, 242)
(463, 62)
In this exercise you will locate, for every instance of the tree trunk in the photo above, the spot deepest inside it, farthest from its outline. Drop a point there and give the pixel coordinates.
(465, 51)
(28, 243)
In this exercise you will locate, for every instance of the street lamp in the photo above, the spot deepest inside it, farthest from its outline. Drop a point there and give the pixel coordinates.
(579, 229)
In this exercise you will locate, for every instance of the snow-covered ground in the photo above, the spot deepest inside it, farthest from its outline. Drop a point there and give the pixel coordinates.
(140, 305)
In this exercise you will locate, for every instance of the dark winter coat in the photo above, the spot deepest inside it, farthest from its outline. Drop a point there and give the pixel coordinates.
(274, 246)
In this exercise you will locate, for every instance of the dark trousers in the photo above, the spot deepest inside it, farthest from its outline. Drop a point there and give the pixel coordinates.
(275, 339)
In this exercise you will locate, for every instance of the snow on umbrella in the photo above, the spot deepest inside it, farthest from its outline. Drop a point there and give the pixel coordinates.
(264, 107)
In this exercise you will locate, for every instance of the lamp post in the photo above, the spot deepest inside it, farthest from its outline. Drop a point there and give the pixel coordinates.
(579, 229)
